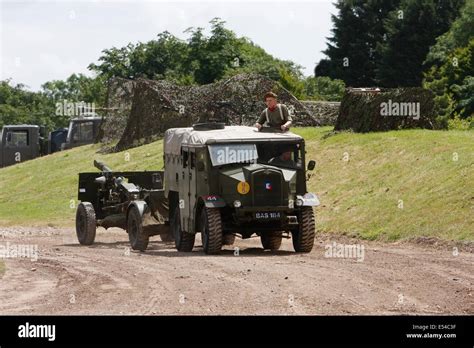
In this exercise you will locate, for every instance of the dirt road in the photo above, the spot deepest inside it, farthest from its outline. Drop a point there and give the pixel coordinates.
(108, 278)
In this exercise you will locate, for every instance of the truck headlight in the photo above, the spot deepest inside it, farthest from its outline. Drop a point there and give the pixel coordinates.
(299, 202)
(237, 204)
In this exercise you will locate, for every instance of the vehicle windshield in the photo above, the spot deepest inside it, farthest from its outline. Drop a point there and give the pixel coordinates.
(82, 131)
(280, 155)
(276, 154)
(17, 138)
(232, 153)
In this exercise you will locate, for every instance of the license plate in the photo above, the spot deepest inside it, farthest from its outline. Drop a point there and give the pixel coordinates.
(268, 215)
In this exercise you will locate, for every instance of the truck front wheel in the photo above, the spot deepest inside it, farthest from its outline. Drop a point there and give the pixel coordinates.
(211, 230)
(85, 223)
(271, 240)
(303, 238)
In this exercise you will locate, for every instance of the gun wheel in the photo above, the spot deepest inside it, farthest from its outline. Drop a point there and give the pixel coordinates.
(85, 223)
(138, 238)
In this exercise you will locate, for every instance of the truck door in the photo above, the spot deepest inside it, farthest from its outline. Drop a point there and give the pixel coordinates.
(187, 188)
(192, 188)
(183, 189)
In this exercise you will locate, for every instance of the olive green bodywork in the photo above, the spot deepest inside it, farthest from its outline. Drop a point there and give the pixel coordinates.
(275, 194)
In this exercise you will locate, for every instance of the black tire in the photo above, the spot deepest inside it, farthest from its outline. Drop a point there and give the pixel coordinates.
(182, 240)
(271, 240)
(211, 230)
(85, 223)
(228, 239)
(138, 238)
(303, 238)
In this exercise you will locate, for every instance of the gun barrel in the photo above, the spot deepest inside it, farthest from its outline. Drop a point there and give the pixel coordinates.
(101, 166)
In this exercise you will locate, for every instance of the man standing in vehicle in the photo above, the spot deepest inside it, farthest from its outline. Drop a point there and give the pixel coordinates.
(276, 115)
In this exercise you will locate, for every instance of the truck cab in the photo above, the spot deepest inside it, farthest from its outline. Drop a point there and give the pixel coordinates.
(19, 143)
(234, 180)
(82, 130)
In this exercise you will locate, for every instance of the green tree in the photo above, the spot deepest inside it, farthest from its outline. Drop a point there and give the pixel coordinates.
(452, 84)
(323, 88)
(450, 69)
(351, 50)
(155, 59)
(77, 88)
(411, 29)
(211, 56)
(201, 59)
(21, 106)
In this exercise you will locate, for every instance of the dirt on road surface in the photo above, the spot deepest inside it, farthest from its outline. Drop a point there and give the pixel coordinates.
(108, 278)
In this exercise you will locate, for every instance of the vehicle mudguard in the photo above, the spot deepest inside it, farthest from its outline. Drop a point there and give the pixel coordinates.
(213, 201)
(141, 206)
(309, 200)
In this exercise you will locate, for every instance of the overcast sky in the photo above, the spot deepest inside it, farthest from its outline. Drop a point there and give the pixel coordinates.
(49, 40)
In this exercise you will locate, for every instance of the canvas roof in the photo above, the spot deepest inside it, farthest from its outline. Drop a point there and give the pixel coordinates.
(177, 137)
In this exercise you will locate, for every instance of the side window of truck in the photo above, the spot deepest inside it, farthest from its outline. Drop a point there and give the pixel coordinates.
(18, 138)
(193, 160)
(185, 154)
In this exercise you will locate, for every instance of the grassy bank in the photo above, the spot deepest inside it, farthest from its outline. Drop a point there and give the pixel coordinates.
(386, 186)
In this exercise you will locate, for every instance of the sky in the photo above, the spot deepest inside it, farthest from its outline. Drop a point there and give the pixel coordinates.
(50, 40)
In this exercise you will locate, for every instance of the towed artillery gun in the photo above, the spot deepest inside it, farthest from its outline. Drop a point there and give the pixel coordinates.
(220, 181)
(133, 201)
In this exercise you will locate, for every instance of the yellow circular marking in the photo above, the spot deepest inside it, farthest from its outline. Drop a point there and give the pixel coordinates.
(243, 187)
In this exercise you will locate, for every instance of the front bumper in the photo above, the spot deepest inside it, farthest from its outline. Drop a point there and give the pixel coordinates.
(280, 217)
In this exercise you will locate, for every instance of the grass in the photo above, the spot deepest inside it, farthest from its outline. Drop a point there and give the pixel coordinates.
(385, 186)
(394, 185)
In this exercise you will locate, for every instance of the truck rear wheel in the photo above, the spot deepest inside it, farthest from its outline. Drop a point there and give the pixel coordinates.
(271, 240)
(182, 240)
(138, 238)
(211, 230)
(303, 238)
(85, 223)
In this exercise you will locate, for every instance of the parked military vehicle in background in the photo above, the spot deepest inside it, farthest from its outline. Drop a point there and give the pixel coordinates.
(220, 181)
(56, 140)
(82, 130)
(19, 143)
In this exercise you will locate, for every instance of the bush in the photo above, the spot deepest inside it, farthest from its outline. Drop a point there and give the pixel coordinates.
(458, 123)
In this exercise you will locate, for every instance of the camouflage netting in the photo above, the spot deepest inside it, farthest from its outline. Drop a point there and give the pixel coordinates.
(365, 111)
(323, 111)
(141, 110)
